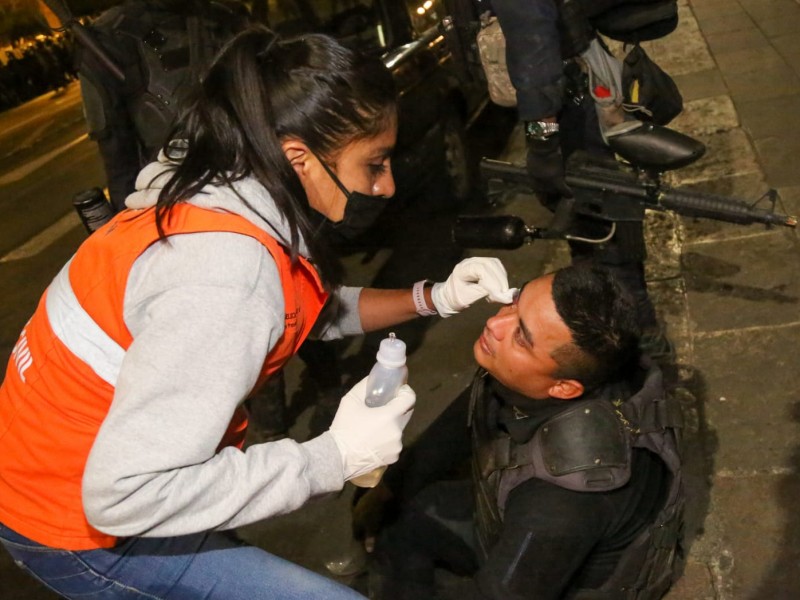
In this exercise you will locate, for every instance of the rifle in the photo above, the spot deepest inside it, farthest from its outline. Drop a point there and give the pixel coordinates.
(613, 193)
(62, 12)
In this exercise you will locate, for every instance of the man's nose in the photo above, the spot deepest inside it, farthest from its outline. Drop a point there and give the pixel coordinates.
(498, 324)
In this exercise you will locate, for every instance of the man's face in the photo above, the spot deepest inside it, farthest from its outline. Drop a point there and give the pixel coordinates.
(517, 343)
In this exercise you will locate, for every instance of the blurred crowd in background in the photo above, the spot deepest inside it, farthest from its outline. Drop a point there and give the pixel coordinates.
(33, 66)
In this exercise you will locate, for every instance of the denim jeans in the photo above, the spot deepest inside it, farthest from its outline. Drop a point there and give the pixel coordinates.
(211, 566)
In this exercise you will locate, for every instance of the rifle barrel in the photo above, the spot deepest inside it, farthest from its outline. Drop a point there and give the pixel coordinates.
(684, 202)
(721, 208)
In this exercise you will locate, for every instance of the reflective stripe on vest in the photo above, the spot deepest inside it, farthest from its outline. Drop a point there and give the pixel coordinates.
(79, 332)
(60, 380)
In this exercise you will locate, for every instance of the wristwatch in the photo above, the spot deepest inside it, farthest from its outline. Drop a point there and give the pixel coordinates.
(540, 130)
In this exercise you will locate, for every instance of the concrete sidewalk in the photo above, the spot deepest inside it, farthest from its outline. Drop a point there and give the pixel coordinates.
(733, 306)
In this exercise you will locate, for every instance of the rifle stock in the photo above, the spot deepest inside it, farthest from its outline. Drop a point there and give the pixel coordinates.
(621, 195)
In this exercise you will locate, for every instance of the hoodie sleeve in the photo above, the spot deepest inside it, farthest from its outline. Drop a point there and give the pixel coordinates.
(204, 310)
(340, 317)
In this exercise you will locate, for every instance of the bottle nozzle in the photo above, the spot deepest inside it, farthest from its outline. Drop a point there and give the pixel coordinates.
(392, 351)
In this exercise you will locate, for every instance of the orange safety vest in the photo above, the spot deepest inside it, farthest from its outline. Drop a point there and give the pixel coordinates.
(61, 375)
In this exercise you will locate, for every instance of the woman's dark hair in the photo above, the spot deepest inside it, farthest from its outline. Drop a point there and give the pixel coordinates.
(603, 323)
(261, 89)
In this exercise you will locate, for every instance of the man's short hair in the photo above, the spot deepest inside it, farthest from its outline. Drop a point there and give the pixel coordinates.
(602, 319)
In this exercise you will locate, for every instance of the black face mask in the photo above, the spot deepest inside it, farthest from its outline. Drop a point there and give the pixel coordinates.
(360, 212)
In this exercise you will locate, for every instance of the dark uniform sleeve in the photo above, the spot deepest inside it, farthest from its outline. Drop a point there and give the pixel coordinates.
(119, 148)
(107, 116)
(548, 532)
(533, 55)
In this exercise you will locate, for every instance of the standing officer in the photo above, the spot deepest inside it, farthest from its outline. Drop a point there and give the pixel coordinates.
(542, 39)
(162, 47)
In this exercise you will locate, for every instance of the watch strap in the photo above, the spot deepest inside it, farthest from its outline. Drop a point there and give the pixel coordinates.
(418, 295)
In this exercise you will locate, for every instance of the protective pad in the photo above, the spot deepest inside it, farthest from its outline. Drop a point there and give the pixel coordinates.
(588, 436)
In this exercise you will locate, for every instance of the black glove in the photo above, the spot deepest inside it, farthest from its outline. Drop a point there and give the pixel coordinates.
(545, 165)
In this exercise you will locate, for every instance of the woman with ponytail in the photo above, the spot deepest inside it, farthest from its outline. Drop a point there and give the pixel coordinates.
(121, 415)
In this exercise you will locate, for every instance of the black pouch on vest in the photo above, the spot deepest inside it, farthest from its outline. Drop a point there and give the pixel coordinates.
(649, 92)
(635, 22)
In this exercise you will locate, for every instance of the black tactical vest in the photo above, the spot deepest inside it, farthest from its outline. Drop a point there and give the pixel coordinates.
(163, 48)
(587, 447)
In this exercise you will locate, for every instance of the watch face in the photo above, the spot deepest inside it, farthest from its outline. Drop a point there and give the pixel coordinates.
(540, 129)
(534, 129)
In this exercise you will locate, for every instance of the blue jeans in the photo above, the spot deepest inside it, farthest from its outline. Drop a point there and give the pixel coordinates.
(211, 566)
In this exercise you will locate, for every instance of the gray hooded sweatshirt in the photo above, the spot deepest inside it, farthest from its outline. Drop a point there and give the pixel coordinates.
(204, 310)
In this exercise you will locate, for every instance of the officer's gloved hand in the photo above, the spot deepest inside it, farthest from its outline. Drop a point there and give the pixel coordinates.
(545, 165)
(471, 280)
(369, 438)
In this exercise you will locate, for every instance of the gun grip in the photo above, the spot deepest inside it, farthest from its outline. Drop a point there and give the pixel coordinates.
(562, 218)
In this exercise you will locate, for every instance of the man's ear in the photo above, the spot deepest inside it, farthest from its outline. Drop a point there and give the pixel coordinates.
(566, 389)
(298, 155)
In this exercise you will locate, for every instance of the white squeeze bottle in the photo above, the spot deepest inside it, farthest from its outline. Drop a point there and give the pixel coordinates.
(385, 378)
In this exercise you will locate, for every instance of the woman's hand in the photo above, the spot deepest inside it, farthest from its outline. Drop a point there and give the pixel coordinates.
(471, 280)
(369, 438)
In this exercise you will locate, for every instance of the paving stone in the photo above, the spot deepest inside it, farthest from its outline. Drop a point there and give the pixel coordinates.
(765, 10)
(790, 199)
(669, 298)
(762, 534)
(743, 282)
(769, 117)
(749, 59)
(684, 50)
(789, 47)
(700, 84)
(730, 41)
(707, 9)
(725, 21)
(726, 152)
(694, 585)
(706, 116)
(766, 83)
(779, 155)
(780, 25)
(753, 419)
(663, 245)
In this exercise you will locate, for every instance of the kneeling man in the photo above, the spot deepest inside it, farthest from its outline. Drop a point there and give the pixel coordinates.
(566, 446)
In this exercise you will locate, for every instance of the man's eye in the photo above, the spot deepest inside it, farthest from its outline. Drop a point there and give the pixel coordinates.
(519, 338)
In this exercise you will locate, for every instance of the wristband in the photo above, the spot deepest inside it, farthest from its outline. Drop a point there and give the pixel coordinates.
(418, 295)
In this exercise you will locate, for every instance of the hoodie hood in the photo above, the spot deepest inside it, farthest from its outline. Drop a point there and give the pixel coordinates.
(264, 213)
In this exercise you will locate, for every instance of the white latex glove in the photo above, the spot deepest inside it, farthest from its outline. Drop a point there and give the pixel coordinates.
(471, 280)
(369, 438)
